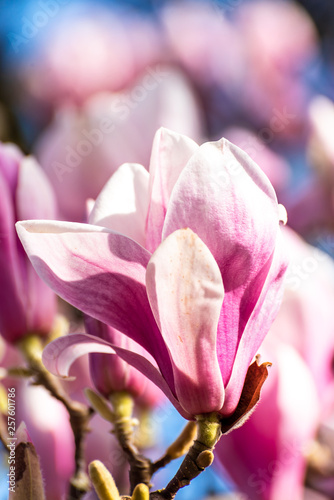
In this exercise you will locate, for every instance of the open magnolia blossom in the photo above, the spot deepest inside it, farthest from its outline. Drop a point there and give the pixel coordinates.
(186, 260)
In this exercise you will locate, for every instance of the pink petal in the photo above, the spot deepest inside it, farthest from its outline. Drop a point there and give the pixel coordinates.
(12, 303)
(35, 199)
(62, 352)
(34, 195)
(101, 273)
(10, 158)
(258, 325)
(170, 154)
(225, 198)
(185, 289)
(110, 373)
(123, 202)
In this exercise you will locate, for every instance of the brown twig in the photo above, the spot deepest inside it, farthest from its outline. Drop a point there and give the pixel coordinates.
(140, 466)
(79, 414)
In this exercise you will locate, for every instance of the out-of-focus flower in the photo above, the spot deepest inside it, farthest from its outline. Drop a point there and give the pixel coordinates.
(82, 148)
(26, 304)
(313, 206)
(305, 319)
(49, 427)
(205, 42)
(321, 149)
(214, 287)
(276, 60)
(274, 166)
(266, 457)
(85, 50)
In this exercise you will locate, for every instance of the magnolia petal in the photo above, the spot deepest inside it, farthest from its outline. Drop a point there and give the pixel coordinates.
(170, 154)
(62, 352)
(123, 202)
(35, 199)
(10, 158)
(12, 304)
(113, 375)
(258, 325)
(101, 273)
(34, 195)
(225, 198)
(185, 290)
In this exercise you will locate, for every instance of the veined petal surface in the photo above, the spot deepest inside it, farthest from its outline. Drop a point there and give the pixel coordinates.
(123, 202)
(100, 272)
(170, 154)
(225, 198)
(186, 292)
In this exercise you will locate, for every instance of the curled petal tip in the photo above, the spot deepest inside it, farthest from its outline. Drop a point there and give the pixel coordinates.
(282, 213)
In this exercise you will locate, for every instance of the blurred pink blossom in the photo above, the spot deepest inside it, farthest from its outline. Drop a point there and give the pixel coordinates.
(205, 42)
(83, 147)
(275, 60)
(88, 51)
(305, 317)
(265, 458)
(48, 424)
(26, 304)
(312, 207)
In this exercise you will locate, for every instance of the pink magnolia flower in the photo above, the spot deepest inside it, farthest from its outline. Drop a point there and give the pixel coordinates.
(48, 425)
(276, 60)
(199, 300)
(266, 458)
(305, 319)
(313, 207)
(215, 59)
(87, 50)
(26, 304)
(83, 147)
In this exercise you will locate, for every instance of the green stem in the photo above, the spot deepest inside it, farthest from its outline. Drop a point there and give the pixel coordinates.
(198, 458)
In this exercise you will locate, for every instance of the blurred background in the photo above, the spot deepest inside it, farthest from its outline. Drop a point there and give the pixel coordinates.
(85, 85)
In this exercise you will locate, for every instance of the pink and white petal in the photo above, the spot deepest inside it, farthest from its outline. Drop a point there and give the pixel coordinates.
(170, 154)
(101, 273)
(123, 202)
(110, 375)
(42, 303)
(10, 158)
(185, 289)
(35, 198)
(258, 325)
(225, 198)
(59, 355)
